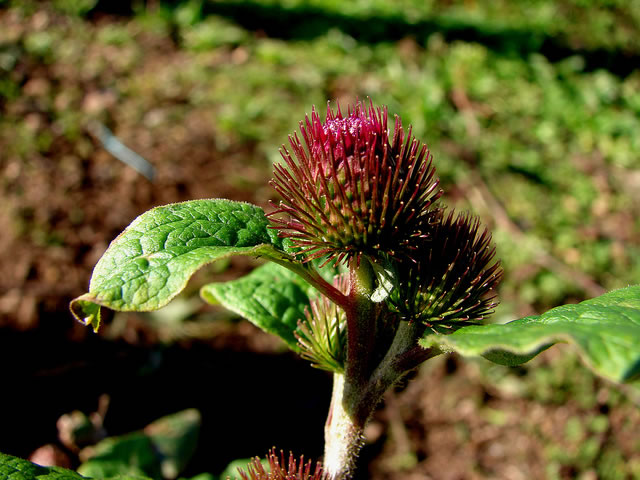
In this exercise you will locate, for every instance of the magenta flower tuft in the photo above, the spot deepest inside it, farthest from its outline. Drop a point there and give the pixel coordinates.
(452, 278)
(350, 190)
(281, 470)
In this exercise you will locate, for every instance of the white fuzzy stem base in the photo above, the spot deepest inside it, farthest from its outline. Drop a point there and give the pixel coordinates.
(343, 438)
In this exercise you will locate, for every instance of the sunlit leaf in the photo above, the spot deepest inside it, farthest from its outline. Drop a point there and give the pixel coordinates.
(152, 260)
(605, 329)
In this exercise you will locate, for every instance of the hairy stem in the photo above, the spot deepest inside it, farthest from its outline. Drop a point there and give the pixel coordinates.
(343, 435)
(371, 368)
(349, 409)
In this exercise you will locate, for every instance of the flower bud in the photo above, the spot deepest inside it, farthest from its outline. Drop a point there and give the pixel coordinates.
(451, 278)
(350, 190)
(279, 469)
(322, 334)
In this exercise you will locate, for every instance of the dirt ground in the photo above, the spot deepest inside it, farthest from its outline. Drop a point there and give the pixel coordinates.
(62, 208)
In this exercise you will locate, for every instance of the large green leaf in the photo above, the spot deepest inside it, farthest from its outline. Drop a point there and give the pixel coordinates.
(152, 260)
(271, 297)
(14, 468)
(606, 330)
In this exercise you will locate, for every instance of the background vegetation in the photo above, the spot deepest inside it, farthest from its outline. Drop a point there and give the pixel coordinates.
(530, 109)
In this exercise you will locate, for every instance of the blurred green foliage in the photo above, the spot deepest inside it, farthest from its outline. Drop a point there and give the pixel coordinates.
(578, 24)
(587, 422)
(160, 451)
(554, 144)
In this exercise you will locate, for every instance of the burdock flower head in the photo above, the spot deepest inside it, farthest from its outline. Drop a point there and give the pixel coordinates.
(451, 280)
(279, 469)
(350, 189)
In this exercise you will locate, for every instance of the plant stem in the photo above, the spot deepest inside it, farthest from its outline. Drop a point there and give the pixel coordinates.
(403, 355)
(349, 411)
(361, 323)
(351, 407)
(371, 368)
(343, 435)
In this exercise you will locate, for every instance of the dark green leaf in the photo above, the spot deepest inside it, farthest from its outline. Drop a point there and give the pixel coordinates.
(271, 297)
(14, 468)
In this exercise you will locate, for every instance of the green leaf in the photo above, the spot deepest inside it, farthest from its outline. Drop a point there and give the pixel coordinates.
(271, 297)
(202, 476)
(152, 260)
(606, 330)
(159, 451)
(131, 454)
(14, 468)
(175, 437)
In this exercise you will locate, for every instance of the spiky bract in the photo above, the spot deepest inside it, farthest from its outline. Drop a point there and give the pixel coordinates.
(452, 278)
(322, 334)
(349, 189)
(280, 470)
